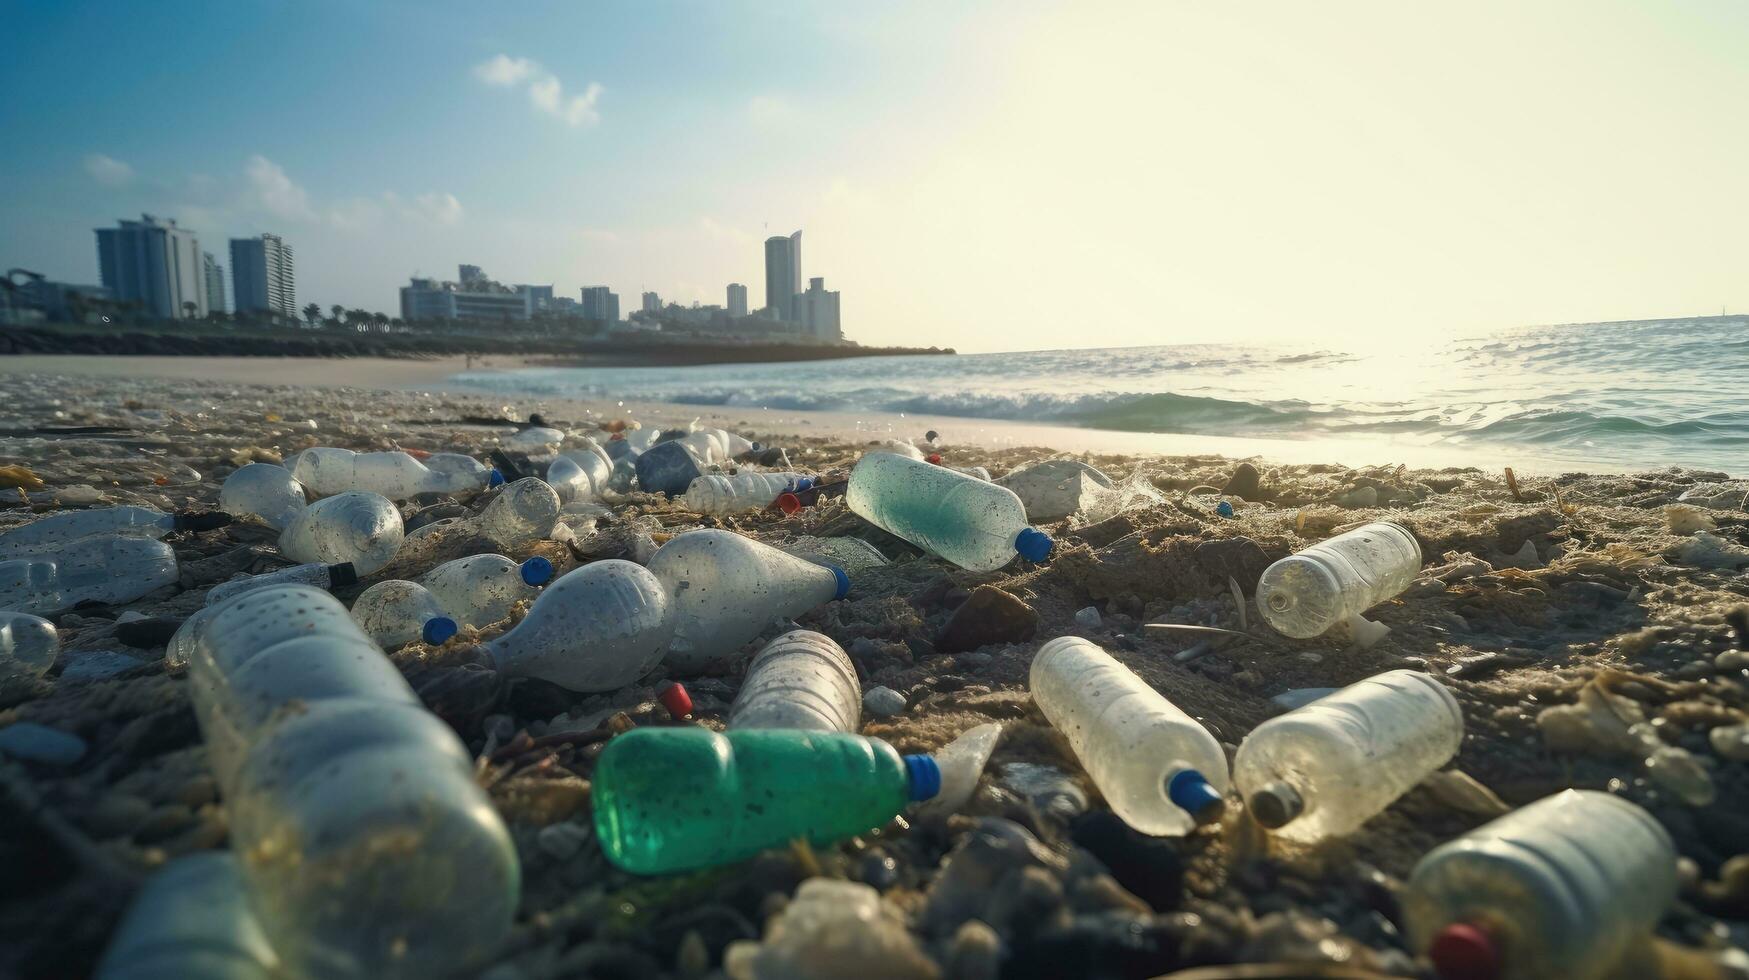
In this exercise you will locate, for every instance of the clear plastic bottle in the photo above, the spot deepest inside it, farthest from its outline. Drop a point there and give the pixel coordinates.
(974, 524)
(480, 589)
(28, 645)
(361, 528)
(190, 921)
(597, 628)
(1324, 769)
(744, 491)
(396, 475)
(679, 799)
(263, 491)
(851, 554)
(370, 849)
(394, 613)
(800, 680)
(1565, 887)
(1162, 772)
(1305, 594)
(727, 589)
(325, 577)
(574, 477)
(112, 570)
(45, 536)
(535, 437)
(524, 512)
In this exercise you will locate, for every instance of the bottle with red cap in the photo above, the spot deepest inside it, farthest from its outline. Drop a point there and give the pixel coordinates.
(1568, 887)
(744, 491)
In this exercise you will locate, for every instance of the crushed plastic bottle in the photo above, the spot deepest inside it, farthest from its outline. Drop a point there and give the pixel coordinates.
(112, 570)
(363, 529)
(481, 589)
(800, 680)
(1324, 769)
(46, 535)
(325, 577)
(394, 613)
(371, 851)
(851, 554)
(1305, 594)
(722, 495)
(327, 471)
(597, 628)
(976, 525)
(524, 512)
(28, 645)
(190, 921)
(680, 799)
(265, 492)
(1162, 772)
(727, 589)
(1564, 887)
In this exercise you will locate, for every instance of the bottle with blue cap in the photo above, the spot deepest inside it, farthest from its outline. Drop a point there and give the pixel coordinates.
(597, 628)
(720, 495)
(680, 799)
(45, 535)
(727, 589)
(395, 613)
(481, 589)
(1161, 771)
(976, 525)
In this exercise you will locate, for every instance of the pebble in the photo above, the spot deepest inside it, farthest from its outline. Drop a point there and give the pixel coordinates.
(879, 869)
(31, 742)
(1087, 617)
(988, 616)
(1731, 741)
(975, 954)
(883, 702)
(1360, 497)
(1245, 482)
(1732, 660)
(562, 840)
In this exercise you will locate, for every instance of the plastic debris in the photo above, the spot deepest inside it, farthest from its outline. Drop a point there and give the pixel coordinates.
(28, 645)
(1305, 594)
(46, 535)
(962, 762)
(265, 492)
(800, 680)
(976, 525)
(358, 528)
(597, 628)
(109, 570)
(191, 919)
(20, 477)
(838, 929)
(325, 577)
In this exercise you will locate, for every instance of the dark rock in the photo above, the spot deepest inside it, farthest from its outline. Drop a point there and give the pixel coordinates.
(990, 615)
(1109, 944)
(973, 875)
(1239, 558)
(668, 468)
(151, 633)
(879, 869)
(1244, 483)
(531, 697)
(1150, 867)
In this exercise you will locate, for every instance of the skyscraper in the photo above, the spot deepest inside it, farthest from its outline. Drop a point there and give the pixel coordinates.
(600, 303)
(783, 274)
(262, 277)
(652, 303)
(154, 263)
(215, 283)
(817, 312)
(737, 299)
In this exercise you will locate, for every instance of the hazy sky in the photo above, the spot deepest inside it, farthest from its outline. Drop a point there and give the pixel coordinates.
(1014, 175)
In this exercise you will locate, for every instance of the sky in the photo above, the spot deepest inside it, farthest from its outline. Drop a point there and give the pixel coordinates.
(996, 176)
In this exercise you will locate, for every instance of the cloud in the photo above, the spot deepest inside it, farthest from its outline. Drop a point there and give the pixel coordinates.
(504, 70)
(442, 209)
(545, 91)
(770, 110)
(272, 191)
(107, 170)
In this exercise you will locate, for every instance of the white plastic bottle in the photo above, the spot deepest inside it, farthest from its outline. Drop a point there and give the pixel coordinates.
(394, 613)
(728, 588)
(802, 679)
(361, 528)
(1162, 772)
(524, 512)
(572, 481)
(1324, 769)
(190, 921)
(369, 848)
(396, 475)
(265, 492)
(1305, 594)
(1565, 887)
(974, 524)
(46, 535)
(597, 628)
(720, 495)
(480, 589)
(325, 577)
(28, 645)
(110, 570)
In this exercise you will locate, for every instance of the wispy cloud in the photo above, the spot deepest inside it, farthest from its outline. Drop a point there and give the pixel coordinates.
(545, 92)
(108, 171)
(771, 110)
(270, 190)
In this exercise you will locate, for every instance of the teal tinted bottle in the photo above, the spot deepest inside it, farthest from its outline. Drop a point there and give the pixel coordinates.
(679, 799)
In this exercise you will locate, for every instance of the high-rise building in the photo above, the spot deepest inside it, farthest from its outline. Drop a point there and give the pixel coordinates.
(540, 298)
(262, 277)
(469, 273)
(817, 312)
(783, 274)
(215, 283)
(155, 264)
(600, 303)
(652, 303)
(479, 299)
(737, 299)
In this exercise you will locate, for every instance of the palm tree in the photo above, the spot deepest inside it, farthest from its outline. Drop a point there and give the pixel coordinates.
(312, 313)
(338, 311)
(380, 320)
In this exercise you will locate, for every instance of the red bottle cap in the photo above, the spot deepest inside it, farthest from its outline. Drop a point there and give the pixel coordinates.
(933, 458)
(676, 700)
(1465, 951)
(789, 503)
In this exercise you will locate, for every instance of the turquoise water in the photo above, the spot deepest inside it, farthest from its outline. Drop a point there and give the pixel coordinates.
(1630, 396)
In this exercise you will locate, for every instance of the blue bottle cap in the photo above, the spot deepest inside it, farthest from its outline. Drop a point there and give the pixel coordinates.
(1191, 792)
(438, 629)
(925, 777)
(843, 581)
(802, 484)
(537, 571)
(1224, 508)
(1033, 544)
(496, 479)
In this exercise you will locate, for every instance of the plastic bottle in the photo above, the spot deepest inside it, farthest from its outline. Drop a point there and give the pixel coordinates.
(576, 477)
(1324, 769)
(361, 528)
(265, 492)
(112, 570)
(325, 577)
(480, 589)
(28, 645)
(851, 554)
(46, 535)
(974, 524)
(190, 921)
(727, 589)
(1162, 772)
(524, 512)
(1305, 594)
(597, 628)
(395, 613)
(678, 799)
(1564, 887)
(327, 471)
(742, 492)
(800, 680)
(535, 437)
(370, 849)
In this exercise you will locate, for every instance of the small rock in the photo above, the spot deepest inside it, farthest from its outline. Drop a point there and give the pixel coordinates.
(989, 615)
(1731, 741)
(883, 702)
(1732, 660)
(879, 869)
(1151, 868)
(1047, 788)
(1359, 497)
(973, 876)
(1245, 483)
(562, 840)
(1300, 697)
(668, 468)
(1087, 617)
(31, 742)
(975, 954)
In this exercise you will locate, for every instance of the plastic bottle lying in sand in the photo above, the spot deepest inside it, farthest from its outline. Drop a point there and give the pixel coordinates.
(1162, 772)
(535, 437)
(1565, 887)
(371, 851)
(851, 554)
(395, 475)
(1305, 594)
(480, 589)
(974, 524)
(112, 570)
(325, 577)
(596, 628)
(45, 536)
(720, 495)
(394, 613)
(265, 492)
(361, 528)
(800, 680)
(575, 475)
(28, 645)
(190, 921)
(679, 799)
(1324, 769)
(727, 589)
(523, 512)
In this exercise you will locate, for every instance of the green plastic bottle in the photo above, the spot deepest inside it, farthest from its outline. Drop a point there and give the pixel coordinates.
(679, 799)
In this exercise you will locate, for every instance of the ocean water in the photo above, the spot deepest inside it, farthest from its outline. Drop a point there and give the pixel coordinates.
(1625, 396)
